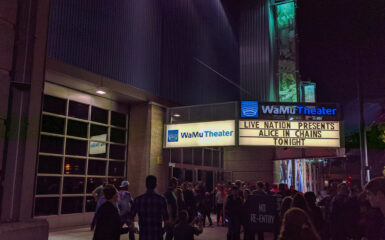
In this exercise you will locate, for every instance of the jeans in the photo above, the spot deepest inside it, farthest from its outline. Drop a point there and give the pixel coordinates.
(219, 209)
(207, 214)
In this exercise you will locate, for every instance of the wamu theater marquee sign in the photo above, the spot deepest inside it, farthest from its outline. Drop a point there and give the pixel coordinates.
(253, 109)
(259, 126)
(288, 133)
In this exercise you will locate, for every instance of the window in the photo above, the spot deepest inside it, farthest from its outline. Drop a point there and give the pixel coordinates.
(197, 156)
(118, 135)
(72, 205)
(99, 132)
(116, 169)
(73, 185)
(46, 206)
(50, 164)
(187, 156)
(93, 183)
(78, 110)
(99, 115)
(76, 147)
(80, 148)
(97, 167)
(208, 156)
(51, 144)
(216, 158)
(176, 155)
(117, 152)
(54, 105)
(75, 166)
(77, 128)
(52, 124)
(118, 119)
(48, 185)
(90, 204)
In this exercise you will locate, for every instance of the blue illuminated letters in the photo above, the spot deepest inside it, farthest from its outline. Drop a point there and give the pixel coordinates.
(316, 111)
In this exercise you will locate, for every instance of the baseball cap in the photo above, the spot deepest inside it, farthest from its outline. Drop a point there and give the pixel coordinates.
(124, 184)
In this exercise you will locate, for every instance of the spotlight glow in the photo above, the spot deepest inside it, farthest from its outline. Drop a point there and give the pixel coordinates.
(101, 92)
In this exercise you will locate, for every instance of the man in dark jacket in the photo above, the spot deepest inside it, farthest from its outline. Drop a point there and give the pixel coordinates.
(107, 218)
(206, 206)
(233, 209)
(189, 200)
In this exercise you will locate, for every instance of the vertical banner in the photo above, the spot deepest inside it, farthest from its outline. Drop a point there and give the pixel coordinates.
(285, 14)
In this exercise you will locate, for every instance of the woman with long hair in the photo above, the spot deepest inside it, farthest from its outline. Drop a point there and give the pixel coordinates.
(297, 225)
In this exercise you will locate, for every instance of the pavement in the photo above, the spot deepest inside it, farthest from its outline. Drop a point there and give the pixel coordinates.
(84, 233)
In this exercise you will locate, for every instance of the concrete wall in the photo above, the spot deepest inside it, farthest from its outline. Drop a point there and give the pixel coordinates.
(31, 230)
(23, 31)
(145, 145)
(138, 147)
(158, 168)
(249, 163)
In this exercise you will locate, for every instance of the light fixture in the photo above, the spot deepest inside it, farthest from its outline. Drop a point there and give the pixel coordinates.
(101, 92)
(176, 115)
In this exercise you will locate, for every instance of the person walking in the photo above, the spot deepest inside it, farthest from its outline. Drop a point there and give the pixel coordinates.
(98, 195)
(233, 213)
(125, 205)
(172, 206)
(152, 211)
(107, 219)
(189, 200)
(206, 208)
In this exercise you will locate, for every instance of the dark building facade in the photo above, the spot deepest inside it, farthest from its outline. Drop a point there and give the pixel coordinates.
(171, 49)
(113, 68)
(146, 55)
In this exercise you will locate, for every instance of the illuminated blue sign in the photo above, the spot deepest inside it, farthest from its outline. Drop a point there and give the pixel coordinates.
(173, 135)
(249, 109)
(316, 111)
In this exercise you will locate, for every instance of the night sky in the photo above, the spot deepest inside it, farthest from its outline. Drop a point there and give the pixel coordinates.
(342, 41)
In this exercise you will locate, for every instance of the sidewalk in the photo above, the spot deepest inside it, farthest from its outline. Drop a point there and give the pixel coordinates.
(84, 233)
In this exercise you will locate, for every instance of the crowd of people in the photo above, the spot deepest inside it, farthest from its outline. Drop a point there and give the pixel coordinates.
(341, 212)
